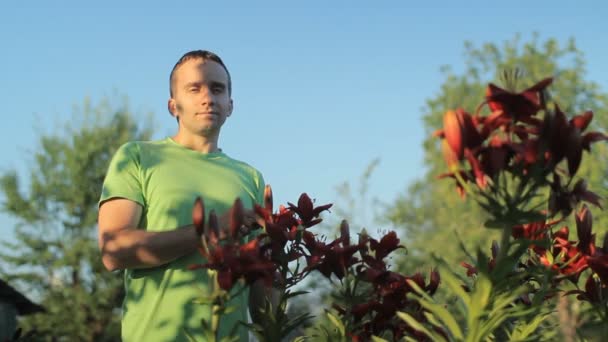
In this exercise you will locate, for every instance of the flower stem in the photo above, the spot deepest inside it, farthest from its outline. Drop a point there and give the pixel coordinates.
(215, 321)
(504, 243)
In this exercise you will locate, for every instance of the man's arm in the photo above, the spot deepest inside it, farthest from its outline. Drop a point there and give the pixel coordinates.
(123, 246)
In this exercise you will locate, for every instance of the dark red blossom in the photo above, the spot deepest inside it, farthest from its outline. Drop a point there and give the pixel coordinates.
(307, 212)
(593, 291)
(386, 245)
(333, 258)
(472, 270)
(518, 106)
(233, 262)
(563, 200)
(599, 265)
(568, 260)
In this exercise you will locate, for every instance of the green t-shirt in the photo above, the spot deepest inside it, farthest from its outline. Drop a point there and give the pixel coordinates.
(165, 178)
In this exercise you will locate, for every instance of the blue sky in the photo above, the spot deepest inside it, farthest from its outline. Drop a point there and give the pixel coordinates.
(321, 88)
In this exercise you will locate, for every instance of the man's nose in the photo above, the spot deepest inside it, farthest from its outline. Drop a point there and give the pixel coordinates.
(207, 96)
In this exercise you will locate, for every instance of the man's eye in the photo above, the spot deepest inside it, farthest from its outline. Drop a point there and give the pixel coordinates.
(193, 90)
(218, 90)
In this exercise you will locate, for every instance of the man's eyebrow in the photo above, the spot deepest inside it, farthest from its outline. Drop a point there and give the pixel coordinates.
(193, 84)
(199, 84)
(218, 84)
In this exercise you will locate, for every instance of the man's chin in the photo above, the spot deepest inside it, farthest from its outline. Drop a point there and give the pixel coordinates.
(209, 131)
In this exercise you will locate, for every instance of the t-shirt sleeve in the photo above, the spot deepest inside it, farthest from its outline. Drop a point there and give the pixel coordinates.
(123, 179)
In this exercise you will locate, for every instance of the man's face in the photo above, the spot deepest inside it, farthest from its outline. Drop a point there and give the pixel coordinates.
(200, 97)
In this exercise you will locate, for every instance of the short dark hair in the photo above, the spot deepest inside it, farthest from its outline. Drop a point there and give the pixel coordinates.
(199, 54)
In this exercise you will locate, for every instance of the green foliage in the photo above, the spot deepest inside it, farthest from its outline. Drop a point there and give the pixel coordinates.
(55, 259)
(431, 212)
(489, 308)
(276, 323)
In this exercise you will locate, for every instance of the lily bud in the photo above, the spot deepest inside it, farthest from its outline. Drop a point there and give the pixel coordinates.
(236, 217)
(450, 157)
(198, 216)
(453, 126)
(434, 282)
(268, 198)
(344, 233)
(214, 231)
(583, 228)
(574, 149)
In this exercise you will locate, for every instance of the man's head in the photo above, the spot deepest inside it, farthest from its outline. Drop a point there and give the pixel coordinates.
(202, 55)
(200, 89)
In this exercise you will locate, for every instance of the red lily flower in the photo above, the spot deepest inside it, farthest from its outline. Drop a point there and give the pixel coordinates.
(568, 260)
(480, 176)
(233, 262)
(331, 258)
(472, 270)
(593, 293)
(592, 137)
(563, 200)
(306, 211)
(533, 231)
(580, 193)
(517, 105)
(495, 157)
(599, 265)
(387, 244)
(566, 138)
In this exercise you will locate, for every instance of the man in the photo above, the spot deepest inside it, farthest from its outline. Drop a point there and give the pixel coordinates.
(145, 213)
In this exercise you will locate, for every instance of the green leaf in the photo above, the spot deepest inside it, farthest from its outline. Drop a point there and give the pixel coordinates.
(229, 310)
(189, 336)
(378, 339)
(336, 322)
(204, 300)
(295, 323)
(411, 321)
(523, 329)
(480, 296)
(438, 310)
(453, 284)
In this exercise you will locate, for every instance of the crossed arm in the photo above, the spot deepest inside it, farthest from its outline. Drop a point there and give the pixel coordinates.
(123, 245)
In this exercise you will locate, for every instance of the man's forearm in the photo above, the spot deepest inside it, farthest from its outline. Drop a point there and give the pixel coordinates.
(137, 248)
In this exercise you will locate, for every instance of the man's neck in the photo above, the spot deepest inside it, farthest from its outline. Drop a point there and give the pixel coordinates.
(197, 143)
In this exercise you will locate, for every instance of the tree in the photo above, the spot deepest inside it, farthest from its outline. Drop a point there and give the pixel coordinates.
(55, 257)
(431, 212)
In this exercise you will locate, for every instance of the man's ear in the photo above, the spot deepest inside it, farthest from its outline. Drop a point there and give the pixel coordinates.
(231, 107)
(172, 107)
